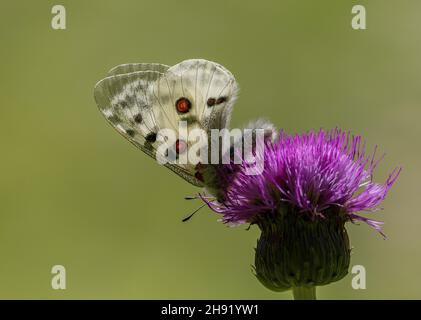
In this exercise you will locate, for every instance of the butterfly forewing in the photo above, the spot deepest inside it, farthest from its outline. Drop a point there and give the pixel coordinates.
(135, 67)
(126, 103)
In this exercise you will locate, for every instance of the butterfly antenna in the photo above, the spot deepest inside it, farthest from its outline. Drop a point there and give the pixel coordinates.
(192, 214)
(198, 197)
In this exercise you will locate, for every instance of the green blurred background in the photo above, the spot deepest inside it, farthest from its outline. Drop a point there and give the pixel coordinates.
(73, 192)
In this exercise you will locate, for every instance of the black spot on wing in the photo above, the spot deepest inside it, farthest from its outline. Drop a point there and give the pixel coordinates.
(138, 118)
(114, 119)
(221, 100)
(211, 102)
(151, 137)
(130, 132)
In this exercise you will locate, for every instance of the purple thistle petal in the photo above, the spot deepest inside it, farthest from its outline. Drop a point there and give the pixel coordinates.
(315, 173)
(375, 224)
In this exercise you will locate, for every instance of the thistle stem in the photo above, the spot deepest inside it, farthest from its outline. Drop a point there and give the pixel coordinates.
(304, 293)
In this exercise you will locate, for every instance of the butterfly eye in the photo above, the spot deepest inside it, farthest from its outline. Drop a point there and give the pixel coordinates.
(199, 176)
(180, 146)
(183, 105)
(221, 100)
(211, 102)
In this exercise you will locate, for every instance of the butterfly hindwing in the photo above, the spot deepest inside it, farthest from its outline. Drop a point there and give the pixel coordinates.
(126, 103)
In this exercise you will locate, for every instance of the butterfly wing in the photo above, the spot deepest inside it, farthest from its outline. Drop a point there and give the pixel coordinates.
(127, 104)
(211, 88)
(140, 100)
(135, 67)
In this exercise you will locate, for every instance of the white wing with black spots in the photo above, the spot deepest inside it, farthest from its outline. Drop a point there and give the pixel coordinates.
(139, 100)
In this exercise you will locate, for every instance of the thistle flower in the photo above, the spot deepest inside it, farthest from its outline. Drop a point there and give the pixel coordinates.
(311, 185)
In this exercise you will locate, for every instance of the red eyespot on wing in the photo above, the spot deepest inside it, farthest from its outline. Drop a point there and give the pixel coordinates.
(180, 146)
(183, 105)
